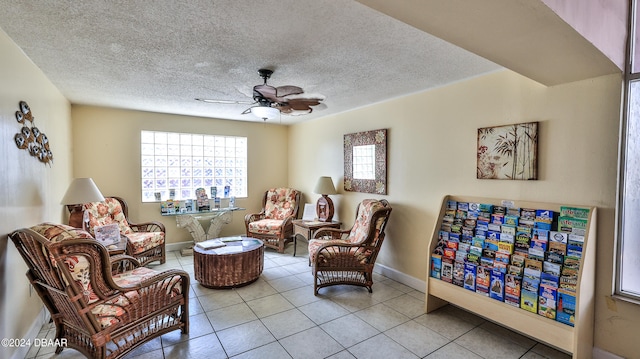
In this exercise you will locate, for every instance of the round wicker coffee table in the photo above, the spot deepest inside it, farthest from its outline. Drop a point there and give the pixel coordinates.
(236, 264)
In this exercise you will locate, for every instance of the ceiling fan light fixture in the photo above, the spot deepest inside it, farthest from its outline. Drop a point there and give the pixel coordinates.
(265, 113)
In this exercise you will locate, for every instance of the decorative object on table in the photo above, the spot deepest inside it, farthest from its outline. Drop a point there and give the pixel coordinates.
(324, 206)
(309, 213)
(508, 152)
(202, 201)
(232, 201)
(158, 196)
(348, 256)
(108, 299)
(172, 193)
(107, 234)
(214, 191)
(227, 191)
(365, 162)
(30, 138)
(273, 224)
(145, 241)
(80, 191)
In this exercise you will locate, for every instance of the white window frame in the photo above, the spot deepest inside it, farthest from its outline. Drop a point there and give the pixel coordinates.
(187, 161)
(627, 273)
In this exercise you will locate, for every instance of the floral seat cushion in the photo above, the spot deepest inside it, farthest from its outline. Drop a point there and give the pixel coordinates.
(107, 212)
(280, 204)
(110, 211)
(359, 231)
(357, 235)
(266, 226)
(106, 314)
(142, 241)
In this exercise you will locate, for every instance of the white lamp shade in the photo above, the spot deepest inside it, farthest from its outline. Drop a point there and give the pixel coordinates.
(265, 112)
(325, 186)
(82, 190)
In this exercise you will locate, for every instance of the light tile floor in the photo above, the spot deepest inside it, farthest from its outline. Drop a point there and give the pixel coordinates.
(279, 317)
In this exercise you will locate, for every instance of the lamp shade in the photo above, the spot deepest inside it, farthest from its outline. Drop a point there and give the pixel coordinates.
(325, 186)
(265, 112)
(82, 190)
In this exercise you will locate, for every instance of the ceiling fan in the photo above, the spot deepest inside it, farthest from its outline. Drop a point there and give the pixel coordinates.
(272, 101)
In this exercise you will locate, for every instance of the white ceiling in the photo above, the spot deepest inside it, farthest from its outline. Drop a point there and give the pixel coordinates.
(159, 55)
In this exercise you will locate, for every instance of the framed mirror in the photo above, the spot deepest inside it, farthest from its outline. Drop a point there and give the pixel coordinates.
(365, 161)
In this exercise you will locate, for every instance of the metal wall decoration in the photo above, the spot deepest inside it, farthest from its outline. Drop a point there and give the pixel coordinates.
(508, 152)
(30, 138)
(365, 162)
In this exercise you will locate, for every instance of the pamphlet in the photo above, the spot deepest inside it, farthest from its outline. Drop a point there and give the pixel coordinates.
(210, 244)
(107, 234)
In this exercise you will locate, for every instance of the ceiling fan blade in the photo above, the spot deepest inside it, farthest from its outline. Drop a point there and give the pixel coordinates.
(225, 102)
(282, 91)
(265, 91)
(303, 103)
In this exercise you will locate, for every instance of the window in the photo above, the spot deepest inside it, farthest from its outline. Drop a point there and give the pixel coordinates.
(185, 162)
(627, 282)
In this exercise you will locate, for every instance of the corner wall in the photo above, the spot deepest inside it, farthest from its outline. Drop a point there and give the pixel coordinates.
(110, 143)
(31, 191)
(432, 152)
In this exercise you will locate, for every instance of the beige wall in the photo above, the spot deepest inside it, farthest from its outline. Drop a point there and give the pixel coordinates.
(431, 151)
(108, 150)
(30, 192)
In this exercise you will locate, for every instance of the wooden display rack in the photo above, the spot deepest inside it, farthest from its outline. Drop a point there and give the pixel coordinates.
(577, 340)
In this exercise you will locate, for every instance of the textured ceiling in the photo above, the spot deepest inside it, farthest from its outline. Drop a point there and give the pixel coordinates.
(160, 55)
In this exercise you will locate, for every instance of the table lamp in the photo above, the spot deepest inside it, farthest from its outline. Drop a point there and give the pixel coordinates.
(80, 191)
(324, 207)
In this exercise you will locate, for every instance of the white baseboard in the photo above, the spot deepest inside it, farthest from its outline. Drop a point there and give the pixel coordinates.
(41, 319)
(405, 279)
(603, 354)
(177, 246)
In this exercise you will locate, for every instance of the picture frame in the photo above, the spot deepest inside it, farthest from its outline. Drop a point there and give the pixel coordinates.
(508, 152)
(365, 161)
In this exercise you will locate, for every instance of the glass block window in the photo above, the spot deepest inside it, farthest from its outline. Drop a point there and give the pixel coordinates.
(183, 162)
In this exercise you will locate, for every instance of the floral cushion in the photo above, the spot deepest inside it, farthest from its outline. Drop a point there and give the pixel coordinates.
(266, 226)
(78, 265)
(55, 232)
(281, 203)
(359, 230)
(143, 241)
(107, 314)
(107, 212)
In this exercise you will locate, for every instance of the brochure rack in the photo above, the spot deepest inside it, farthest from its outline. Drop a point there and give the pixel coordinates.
(577, 340)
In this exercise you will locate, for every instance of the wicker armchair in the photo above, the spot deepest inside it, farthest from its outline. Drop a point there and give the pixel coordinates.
(273, 225)
(348, 256)
(145, 241)
(103, 307)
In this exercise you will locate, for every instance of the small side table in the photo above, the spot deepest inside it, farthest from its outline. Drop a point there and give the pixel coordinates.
(118, 248)
(307, 229)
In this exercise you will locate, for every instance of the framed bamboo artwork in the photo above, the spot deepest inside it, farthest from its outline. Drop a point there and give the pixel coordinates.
(508, 152)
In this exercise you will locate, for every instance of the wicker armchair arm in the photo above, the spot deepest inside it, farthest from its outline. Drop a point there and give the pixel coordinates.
(121, 263)
(288, 221)
(147, 227)
(332, 233)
